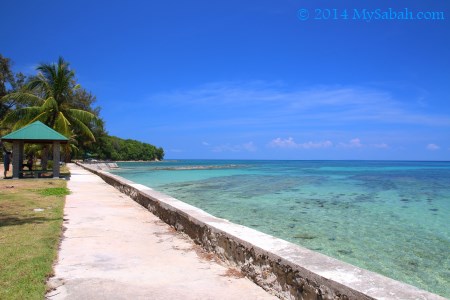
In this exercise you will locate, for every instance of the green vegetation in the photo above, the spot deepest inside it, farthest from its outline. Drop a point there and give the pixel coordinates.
(49, 95)
(54, 191)
(31, 216)
(54, 98)
(111, 147)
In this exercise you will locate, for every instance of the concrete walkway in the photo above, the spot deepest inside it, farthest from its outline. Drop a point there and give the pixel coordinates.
(115, 249)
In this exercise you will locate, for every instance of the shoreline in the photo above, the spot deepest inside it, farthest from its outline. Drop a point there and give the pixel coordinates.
(289, 270)
(306, 160)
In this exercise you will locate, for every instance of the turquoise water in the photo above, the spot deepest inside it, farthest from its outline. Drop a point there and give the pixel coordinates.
(388, 217)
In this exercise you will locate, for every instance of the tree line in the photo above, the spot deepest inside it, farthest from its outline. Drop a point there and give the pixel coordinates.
(54, 97)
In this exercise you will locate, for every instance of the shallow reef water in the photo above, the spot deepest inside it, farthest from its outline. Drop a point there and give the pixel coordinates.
(389, 217)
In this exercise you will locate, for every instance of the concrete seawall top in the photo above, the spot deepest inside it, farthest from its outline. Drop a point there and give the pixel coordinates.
(286, 269)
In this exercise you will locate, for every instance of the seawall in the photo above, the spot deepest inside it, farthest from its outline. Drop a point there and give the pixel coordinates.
(287, 270)
(100, 165)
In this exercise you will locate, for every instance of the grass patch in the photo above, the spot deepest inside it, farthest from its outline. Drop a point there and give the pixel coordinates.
(56, 191)
(31, 216)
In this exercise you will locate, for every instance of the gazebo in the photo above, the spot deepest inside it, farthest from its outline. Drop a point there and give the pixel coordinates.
(35, 133)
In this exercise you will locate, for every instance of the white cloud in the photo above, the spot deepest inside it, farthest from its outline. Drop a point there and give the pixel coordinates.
(314, 145)
(250, 147)
(266, 103)
(381, 146)
(290, 143)
(433, 147)
(283, 143)
(205, 144)
(353, 143)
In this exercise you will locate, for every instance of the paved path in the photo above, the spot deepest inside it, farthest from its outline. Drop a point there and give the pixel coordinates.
(115, 249)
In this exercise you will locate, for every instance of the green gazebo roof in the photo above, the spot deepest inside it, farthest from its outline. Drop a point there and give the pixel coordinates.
(36, 132)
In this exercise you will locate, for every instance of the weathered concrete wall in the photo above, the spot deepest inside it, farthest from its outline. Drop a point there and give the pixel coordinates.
(101, 165)
(287, 270)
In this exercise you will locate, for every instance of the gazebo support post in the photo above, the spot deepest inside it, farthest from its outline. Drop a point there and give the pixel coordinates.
(21, 146)
(56, 157)
(16, 159)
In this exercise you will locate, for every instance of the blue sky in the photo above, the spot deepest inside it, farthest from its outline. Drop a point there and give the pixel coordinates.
(252, 79)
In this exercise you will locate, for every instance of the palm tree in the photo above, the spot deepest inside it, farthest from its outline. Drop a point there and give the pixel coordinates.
(49, 99)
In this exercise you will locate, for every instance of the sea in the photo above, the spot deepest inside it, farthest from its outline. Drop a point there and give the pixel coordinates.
(389, 217)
